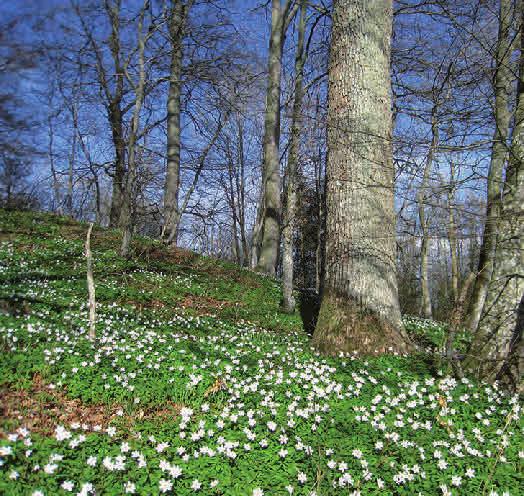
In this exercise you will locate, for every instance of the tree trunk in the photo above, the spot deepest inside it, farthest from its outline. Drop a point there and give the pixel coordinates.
(72, 156)
(115, 115)
(495, 341)
(424, 227)
(270, 230)
(452, 237)
(360, 309)
(240, 184)
(172, 184)
(54, 175)
(117, 131)
(498, 158)
(90, 285)
(257, 228)
(512, 370)
(294, 146)
(129, 197)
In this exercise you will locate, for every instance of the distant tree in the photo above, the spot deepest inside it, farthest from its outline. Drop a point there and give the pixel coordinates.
(16, 151)
(360, 309)
(14, 175)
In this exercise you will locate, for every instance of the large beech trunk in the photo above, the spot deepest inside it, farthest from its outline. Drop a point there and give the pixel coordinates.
(360, 309)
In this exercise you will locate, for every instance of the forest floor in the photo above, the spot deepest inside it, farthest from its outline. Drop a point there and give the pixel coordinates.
(197, 383)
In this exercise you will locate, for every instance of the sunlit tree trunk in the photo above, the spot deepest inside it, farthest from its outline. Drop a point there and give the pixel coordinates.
(502, 83)
(294, 146)
(171, 191)
(128, 199)
(497, 350)
(270, 226)
(424, 224)
(452, 237)
(360, 309)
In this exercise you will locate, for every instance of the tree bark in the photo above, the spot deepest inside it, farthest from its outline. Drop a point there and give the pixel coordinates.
(257, 228)
(172, 184)
(499, 150)
(128, 199)
(54, 175)
(360, 309)
(270, 230)
(498, 340)
(422, 200)
(114, 112)
(240, 185)
(294, 146)
(452, 237)
(90, 285)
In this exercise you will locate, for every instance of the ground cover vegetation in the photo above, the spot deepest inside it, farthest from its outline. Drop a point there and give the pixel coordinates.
(198, 383)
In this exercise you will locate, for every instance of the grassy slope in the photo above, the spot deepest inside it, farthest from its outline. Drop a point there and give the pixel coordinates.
(176, 331)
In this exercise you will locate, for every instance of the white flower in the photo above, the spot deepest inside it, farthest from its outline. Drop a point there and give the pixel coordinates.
(37, 493)
(129, 488)
(67, 485)
(258, 492)
(456, 480)
(161, 447)
(175, 471)
(61, 433)
(196, 485)
(6, 450)
(164, 485)
(91, 461)
(50, 468)
(302, 478)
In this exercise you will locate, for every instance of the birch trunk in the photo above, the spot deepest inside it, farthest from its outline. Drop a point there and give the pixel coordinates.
(294, 146)
(498, 158)
(360, 309)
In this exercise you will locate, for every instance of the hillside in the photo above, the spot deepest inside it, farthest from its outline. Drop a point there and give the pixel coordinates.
(197, 383)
